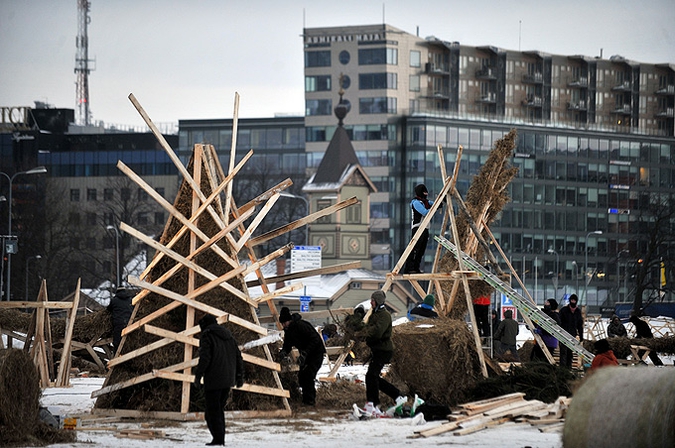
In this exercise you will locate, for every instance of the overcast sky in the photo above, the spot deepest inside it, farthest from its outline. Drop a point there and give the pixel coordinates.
(185, 59)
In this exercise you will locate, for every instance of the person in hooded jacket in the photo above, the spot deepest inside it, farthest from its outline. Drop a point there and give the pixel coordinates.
(424, 309)
(420, 206)
(604, 356)
(301, 334)
(222, 367)
(120, 308)
(615, 329)
(572, 321)
(551, 310)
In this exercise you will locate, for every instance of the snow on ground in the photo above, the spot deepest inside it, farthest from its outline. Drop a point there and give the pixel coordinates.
(336, 429)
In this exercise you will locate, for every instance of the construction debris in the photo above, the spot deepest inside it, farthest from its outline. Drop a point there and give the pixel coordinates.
(475, 416)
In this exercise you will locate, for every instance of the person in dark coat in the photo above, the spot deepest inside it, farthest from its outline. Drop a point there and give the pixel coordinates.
(551, 310)
(643, 331)
(301, 334)
(420, 206)
(572, 322)
(378, 338)
(615, 329)
(424, 309)
(354, 322)
(120, 308)
(506, 335)
(222, 367)
(481, 307)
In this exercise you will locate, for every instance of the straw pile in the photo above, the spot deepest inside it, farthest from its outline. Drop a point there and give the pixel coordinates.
(19, 404)
(439, 364)
(485, 198)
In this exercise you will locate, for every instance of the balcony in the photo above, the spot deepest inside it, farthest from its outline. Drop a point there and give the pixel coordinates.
(623, 87)
(438, 93)
(535, 78)
(576, 105)
(486, 73)
(581, 82)
(624, 109)
(668, 112)
(488, 98)
(666, 90)
(435, 69)
(533, 101)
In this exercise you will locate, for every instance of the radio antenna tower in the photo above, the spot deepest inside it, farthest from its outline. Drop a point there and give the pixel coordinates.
(82, 63)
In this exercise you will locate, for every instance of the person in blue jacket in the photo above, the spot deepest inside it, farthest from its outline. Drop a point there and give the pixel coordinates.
(424, 309)
(420, 206)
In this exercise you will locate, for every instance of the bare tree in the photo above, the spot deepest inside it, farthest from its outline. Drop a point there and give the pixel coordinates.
(655, 250)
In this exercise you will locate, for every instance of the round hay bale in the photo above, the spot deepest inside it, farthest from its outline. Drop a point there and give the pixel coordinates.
(19, 394)
(619, 406)
(438, 363)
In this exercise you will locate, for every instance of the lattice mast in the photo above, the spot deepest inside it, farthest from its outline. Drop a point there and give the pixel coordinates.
(82, 67)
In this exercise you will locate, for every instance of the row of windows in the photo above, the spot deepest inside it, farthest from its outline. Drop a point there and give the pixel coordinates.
(377, 105)
(269, 138)
(105, 170)
(275, 163)
(108, 219)
(356, 133)
(109, 194)
(535, 143)
(367, 56)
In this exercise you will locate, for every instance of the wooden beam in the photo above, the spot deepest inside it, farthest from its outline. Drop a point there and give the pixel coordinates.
(63, 376)
(48, 305)
(308, 273)
(303, 221)
(150, 329)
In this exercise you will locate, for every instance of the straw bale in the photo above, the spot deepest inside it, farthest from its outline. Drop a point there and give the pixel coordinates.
(19, 403)
(439, 364)
(621, 346)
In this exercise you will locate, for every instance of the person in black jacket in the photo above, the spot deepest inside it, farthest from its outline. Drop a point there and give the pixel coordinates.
(120, 312)
(642, 330)
(301, 334)
(572, 322)
(222, 367)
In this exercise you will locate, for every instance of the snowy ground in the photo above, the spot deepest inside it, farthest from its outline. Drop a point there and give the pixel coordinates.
(305, 429)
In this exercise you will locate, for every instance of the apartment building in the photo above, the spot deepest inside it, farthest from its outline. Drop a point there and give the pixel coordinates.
(596, 139)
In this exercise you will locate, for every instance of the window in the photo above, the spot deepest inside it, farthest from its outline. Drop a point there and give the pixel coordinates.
(142, 195)
(322, 204)
(415, 58)
(414, 83)
(317, 58)
(318, 107)
(159, 218)
(354, 214)
(142, 219)
(344, 57)
(91, 194)
(379, 105)
(108, 194)
(91, 219)
(378, 81)
(74, 195)
(108, 219)
(126, 194)
(376, 56)
(317, 83)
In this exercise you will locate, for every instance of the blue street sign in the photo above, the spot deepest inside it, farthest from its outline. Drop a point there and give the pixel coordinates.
(304, 303)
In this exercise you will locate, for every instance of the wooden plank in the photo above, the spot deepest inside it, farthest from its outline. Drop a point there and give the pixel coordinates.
(302, 221)
(278, 292)
(63, 376)
(264, 390)
(142, 378)
(151, 329)
(480, 427)
(488, 401)
(246, 236)
(261, 362)
(161, 415)
(48, 305)
(308, 273)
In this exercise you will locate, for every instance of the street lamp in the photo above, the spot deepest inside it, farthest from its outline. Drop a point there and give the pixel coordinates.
(576, 275)
(117, 252)
(293, 196)
(36, 170)
(587, 280)
(34, 257)
(557, 269)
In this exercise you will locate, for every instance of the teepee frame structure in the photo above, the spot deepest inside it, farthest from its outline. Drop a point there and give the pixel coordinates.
(209, 192)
